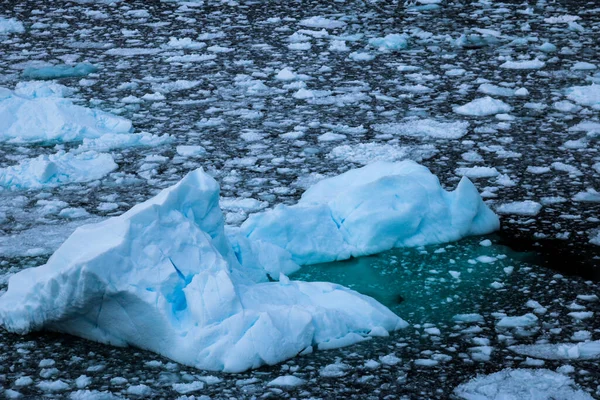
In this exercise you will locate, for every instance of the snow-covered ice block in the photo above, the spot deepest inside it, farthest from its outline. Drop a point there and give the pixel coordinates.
(372, 209)
(60, 71)
(57, 169)
(38, 112)
(522, 384)
(164, 277)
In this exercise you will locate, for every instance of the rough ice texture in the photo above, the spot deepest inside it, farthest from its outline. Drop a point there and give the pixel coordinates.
(59, 71)
(368, 210)
(483, 107)
(425, 128)
(10, 25)
(38, 112)
(164, 277)
(585, 95)
(522, 384)
(560, 351)
(393, 41)
(57, 169)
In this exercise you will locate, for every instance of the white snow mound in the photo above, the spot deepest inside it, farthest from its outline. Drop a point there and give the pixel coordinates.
(39, 112)
(164, 277)
(372, 209)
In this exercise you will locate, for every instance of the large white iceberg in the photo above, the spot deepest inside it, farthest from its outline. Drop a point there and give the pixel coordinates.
(164, 277)
(371, 209)
(39, 112)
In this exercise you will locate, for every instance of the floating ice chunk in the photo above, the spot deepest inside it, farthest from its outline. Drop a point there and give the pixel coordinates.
(112, 141)
(361, 56)
(37, 112)
(60, 71)
(366, 153)
(560, 351)
(583, 66)
(191, 58)
(10, 25)
(526, 207)
(521, 321)
(287, 381)
(191, 151)
(522, 384)
(322, 22)
(488, 88)
(175, 86)
(562, 19)
(590, 196)
(166, 268)
(585, 95)
(523, 64)
(477, 172)
(300, 46)
(393, 41)
(425, 128)
(185, 43)
(372, 209)
(57, 169)
(483, 107)
(286, 74)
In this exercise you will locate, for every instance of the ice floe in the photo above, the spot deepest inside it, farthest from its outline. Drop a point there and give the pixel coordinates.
(39, 112)
(522, 384)
(483, 107)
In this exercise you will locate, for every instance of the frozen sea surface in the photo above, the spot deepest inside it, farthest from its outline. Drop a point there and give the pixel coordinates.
(209, 75)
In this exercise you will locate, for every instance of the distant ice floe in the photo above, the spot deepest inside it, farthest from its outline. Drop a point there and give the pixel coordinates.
(526, 207)
(322, 22)
(57, 169)
(560, 351)
(585, 95)
(483, 107)
(393, 41)
(175, 286)
(522, 384)
(339, 217)
(10, 25)
(60, 71)
(523, 64)
(39, 112)
(425, 128)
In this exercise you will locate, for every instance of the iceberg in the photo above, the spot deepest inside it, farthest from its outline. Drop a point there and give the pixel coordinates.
(164, 277)
(60, 71)
(372, 209)
(57, 169)
(39, 112)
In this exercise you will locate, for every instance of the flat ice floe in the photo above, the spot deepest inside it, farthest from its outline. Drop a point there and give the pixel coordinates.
(164, 277)
(560, 351)
(57, 169)
(425, 128)
(369, 210)
(522, 384)
(39, 112)
(10, 25)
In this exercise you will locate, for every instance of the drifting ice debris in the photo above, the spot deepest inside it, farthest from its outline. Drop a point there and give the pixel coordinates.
(522, 384)
(165, 277)
(38, 112)
(372, 209)
(60, 71)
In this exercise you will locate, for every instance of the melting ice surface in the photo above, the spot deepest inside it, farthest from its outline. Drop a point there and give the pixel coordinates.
(165, 277)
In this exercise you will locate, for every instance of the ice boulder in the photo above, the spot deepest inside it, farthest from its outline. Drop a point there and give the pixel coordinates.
(39, 112)
(371, 209)
(164, 277)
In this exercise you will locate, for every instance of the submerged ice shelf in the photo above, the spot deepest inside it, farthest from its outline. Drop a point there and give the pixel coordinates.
(166, 267)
